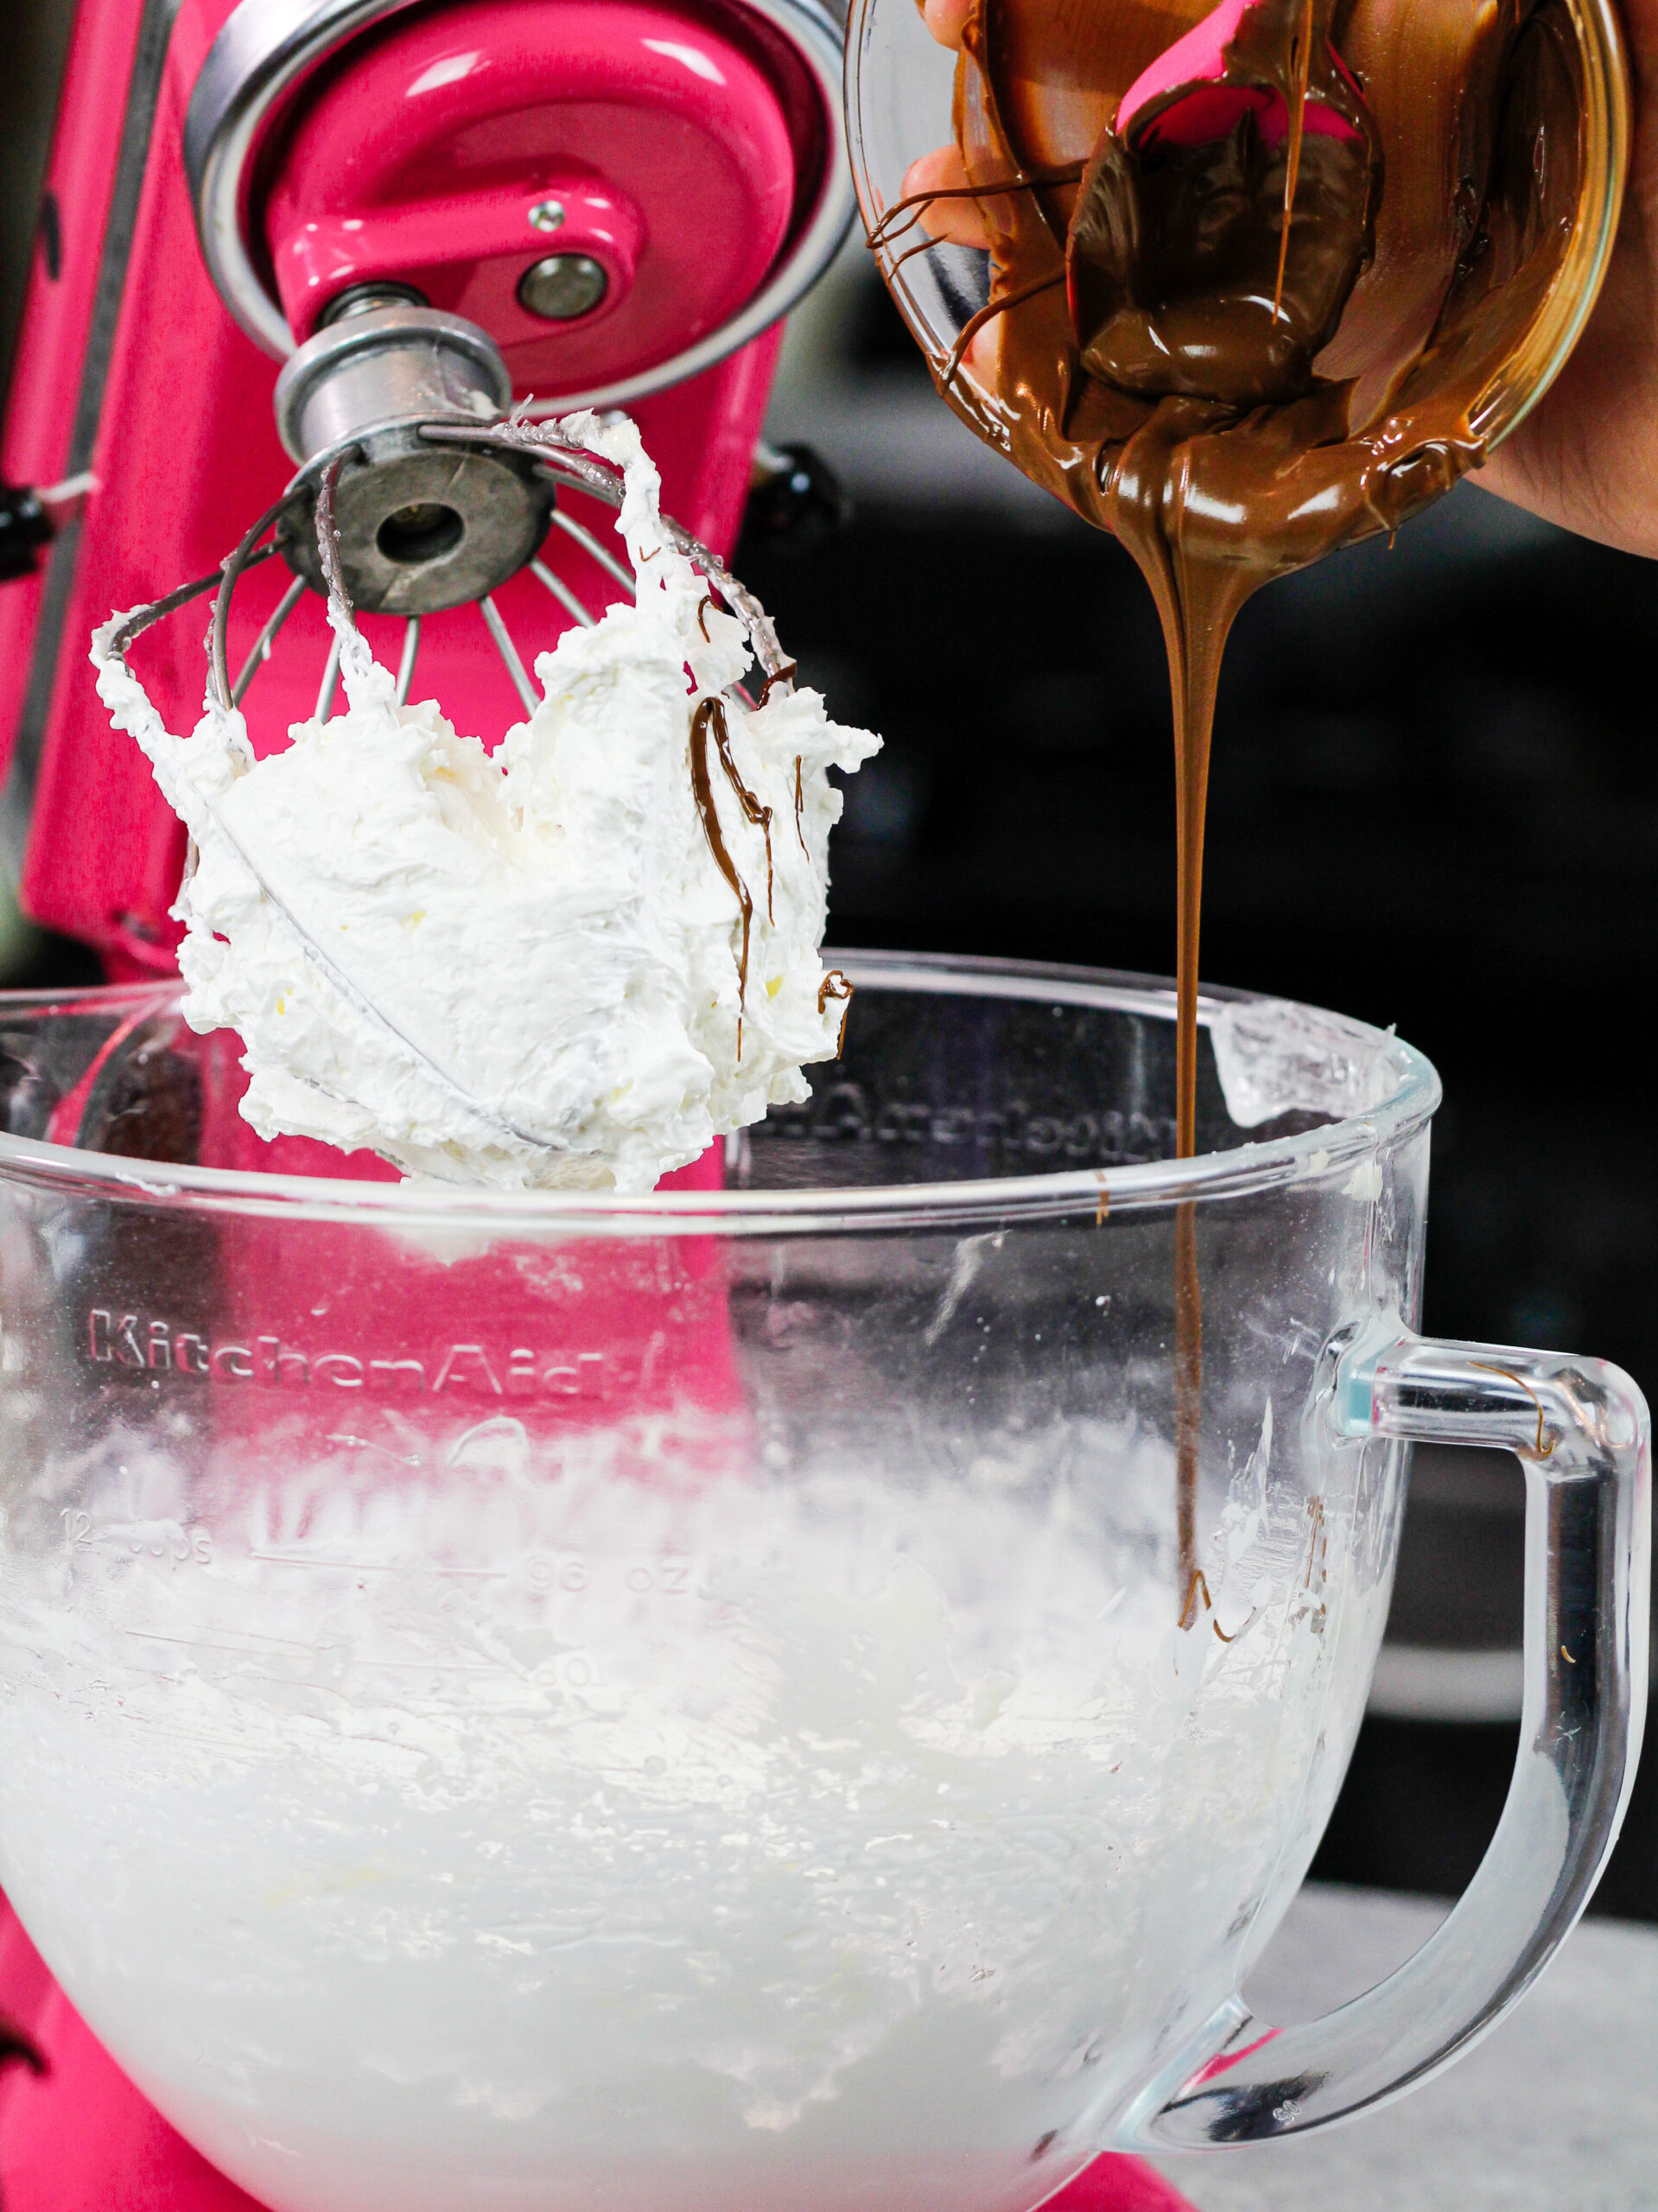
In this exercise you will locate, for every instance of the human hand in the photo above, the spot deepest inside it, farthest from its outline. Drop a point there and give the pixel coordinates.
(961, 222)
(1587, 454)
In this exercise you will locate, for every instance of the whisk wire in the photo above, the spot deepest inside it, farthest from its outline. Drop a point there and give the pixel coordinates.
(572, 467)
(561, 592)
(266, 638)
(330, 680)
(406, 666)
(565, 462)
(591, 546)
(247, 554)
(121, 635)
(509, 652)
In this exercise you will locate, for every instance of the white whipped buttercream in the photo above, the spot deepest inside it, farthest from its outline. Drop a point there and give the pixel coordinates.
(511, 1824)
(525, 967)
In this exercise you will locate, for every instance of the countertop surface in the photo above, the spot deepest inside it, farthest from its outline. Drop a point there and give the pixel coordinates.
(1557, 2109)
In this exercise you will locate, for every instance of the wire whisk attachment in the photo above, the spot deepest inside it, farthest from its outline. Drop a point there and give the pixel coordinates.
(344, 1027)
(305, 515)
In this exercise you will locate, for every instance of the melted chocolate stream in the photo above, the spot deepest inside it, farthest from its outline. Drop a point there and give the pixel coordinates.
(1267, 320)
(1301, 62)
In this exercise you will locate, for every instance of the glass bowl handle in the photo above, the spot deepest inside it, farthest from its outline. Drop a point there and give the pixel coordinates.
(1582, 1430)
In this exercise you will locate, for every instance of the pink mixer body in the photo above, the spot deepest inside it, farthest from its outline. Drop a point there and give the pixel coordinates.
(407, 168)
(80, 2138)
(678, 144)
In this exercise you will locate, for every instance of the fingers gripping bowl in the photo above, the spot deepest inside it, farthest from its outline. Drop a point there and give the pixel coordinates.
(541, 1698)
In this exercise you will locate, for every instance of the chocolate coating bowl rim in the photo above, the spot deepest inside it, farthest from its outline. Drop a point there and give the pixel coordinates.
(1312, 1155)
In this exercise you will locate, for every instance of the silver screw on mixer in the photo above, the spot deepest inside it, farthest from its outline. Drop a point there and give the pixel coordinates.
(547, 215)
(563, 286)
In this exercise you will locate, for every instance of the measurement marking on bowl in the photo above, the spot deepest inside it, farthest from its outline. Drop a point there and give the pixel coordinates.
(316, 1560)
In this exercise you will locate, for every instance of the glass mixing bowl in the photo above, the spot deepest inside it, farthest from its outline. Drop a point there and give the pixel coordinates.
(728, 1697)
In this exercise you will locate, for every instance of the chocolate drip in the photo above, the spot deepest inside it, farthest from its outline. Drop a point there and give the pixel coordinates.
(1301, 64)
(707, 600)
(711, 710)
(1270, 318)
(800, 801)
(712, 714)
(913, 203)
(835, 985)
(999, 304)
(787, 674)
(759, 815)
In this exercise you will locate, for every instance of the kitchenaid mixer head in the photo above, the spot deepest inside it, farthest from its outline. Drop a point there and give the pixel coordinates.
(700, 184)
(311, 150)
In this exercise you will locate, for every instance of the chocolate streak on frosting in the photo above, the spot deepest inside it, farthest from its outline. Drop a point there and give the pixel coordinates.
(759, 815)
(1290, 295)
(712, 712)
(800, 802)
(835, 985)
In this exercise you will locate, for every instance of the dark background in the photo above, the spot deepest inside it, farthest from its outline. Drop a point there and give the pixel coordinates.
(1434, 802)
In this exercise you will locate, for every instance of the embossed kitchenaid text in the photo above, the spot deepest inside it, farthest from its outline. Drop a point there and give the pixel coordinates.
(853, 1110)
(162, 1347)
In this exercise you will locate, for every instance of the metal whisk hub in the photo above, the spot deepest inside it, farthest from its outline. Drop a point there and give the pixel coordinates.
(420, 529)
(423, 528)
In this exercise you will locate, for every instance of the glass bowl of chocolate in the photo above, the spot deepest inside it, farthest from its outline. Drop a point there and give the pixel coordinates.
(1353, 241)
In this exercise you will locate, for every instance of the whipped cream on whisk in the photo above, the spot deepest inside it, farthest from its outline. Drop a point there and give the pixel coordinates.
(573, 962)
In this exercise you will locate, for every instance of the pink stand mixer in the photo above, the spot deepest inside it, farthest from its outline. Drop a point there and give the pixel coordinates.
(448, 207)
(410, 209)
